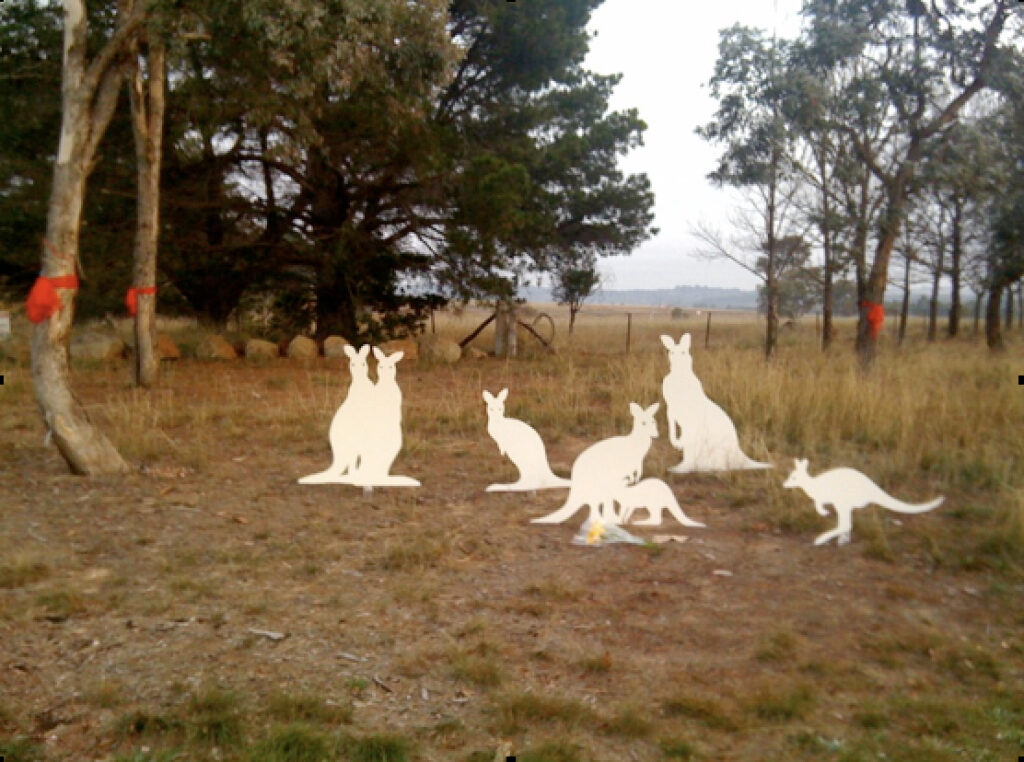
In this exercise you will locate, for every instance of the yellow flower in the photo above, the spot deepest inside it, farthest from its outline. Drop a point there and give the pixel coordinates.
(596, 532)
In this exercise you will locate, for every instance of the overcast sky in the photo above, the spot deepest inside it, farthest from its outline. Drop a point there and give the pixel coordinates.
(665, 50)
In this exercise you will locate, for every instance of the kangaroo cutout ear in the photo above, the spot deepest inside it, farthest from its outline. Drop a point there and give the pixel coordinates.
(684, 342)
(378, 354)
(635, 409)
(488, 397)
(502, 395)
(350, 352)
(393, 359)
(801, 463)
(364, 351)
(668, 342)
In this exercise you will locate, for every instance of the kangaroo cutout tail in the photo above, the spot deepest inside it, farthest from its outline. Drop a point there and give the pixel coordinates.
(750, 463)
(682, 518)
(562, 514)
(900, 507)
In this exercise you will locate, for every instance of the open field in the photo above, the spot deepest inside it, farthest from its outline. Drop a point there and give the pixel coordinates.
(139, 616)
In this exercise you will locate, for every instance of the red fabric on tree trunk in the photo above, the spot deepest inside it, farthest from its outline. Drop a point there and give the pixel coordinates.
(43, 300)
(876, 316)
(132, 299)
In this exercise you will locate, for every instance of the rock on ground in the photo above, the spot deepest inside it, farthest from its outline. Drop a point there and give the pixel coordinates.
(215, 347)
(334, 346)
(166, 348)
(437, 349)
(260, 349)
(95, 346)
(302, 348)
(408, 346)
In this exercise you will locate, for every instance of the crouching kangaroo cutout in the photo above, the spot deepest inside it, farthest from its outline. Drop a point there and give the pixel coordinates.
(521, 444)
(656, 496)
(846, 489)
(696, 425)
(603, 469)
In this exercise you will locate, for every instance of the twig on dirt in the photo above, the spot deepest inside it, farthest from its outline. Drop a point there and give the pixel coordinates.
(269, 634)
(381, 684)
(351, 657)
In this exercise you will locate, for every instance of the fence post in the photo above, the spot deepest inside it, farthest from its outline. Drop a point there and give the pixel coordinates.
(629, 329)
(707, 332)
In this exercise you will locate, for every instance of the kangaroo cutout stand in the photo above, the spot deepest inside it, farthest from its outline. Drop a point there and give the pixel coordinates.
(521, 444)
(696, 425)
(846, 489)
(366, 432)
(602, 470)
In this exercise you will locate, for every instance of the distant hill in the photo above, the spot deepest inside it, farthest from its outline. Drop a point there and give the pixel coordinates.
(681, 296)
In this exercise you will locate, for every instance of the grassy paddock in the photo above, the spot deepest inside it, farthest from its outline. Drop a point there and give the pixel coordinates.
(438, 624)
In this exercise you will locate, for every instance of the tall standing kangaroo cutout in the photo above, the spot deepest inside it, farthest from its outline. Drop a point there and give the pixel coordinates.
(603, 469)
(521, 444)
(382, 439)
(349, 421)
(696, 425)
(366, 432)
(846, 489)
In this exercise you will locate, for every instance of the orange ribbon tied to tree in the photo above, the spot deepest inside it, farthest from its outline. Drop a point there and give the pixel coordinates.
(132, 299)
(43, 300)
(876, 316)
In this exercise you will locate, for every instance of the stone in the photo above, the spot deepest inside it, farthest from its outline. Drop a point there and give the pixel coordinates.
(302, 348)
(95, 346)
(215, 347)
(334, 346)
(167, 348)
(472, 353)
(260, 349)
(409, 349)
(434, 349)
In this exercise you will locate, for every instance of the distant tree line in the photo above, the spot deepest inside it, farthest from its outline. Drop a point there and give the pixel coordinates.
(883, 145)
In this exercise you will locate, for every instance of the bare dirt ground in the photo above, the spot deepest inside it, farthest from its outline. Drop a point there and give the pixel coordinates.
(440, 616)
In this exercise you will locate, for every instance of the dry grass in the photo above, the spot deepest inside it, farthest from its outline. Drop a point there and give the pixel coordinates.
(427, 624)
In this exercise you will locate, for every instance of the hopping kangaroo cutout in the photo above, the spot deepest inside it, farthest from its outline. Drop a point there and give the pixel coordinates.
(354, 416)
(603, 469)
(696, 425)
(846, 489)
(656, 496)
(376, 432)
(521, 444)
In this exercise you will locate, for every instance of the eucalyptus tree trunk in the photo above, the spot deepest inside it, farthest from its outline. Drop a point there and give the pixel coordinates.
(88, 98)
(905, 303)
(993, 332)
(147, 107)
(956, 254)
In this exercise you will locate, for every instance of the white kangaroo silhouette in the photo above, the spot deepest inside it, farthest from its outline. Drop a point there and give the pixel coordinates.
(696, 425)
(521, 444)
(846, 489)
(656, 496)
(382, 438)
(603, 469)
(349, 421)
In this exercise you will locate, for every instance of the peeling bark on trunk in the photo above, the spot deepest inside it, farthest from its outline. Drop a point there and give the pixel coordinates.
(88, 98)
(147, 106)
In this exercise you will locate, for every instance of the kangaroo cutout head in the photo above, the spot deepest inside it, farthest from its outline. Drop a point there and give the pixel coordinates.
(357, 360)
(643, 420)
(679, 357)
(495, 403)
(386, 364)
(799, 474)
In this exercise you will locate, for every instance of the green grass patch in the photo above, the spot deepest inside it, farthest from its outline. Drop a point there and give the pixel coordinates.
(287, 707)
(519, 710)
(21, 750)
(376, 748)
(704, 710)
(676, 748)
(628, 723)
(557, 751)
(294, 743)
(780, 703)
(214, 718)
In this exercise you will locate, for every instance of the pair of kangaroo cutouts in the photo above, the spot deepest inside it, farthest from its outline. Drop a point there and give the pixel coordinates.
(366, 431)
